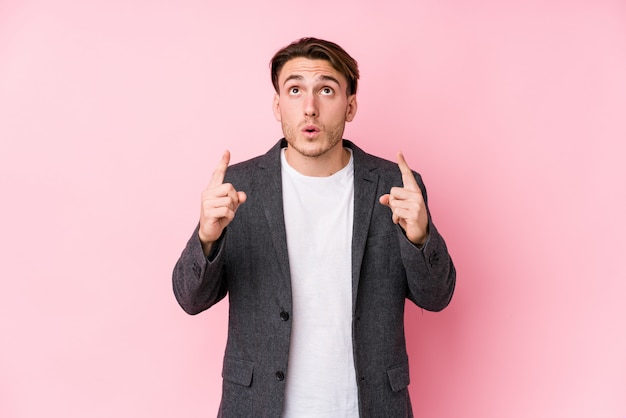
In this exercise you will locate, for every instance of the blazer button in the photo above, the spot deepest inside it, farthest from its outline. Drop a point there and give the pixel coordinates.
(196, 269)
(433, 259)
(284, 315)
(280, 376)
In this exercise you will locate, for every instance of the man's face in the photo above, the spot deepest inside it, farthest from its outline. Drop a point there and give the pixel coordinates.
(312, 106)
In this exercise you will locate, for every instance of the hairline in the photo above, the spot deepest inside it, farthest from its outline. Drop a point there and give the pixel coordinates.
(317, 49)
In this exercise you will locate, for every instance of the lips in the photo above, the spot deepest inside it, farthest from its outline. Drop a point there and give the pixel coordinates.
(310, 129)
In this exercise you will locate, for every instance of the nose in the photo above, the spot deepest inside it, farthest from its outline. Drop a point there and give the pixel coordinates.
(310, 106)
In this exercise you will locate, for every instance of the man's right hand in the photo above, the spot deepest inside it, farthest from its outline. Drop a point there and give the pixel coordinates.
(219, 204)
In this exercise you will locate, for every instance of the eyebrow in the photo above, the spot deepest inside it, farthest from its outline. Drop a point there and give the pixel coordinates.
(322, 78)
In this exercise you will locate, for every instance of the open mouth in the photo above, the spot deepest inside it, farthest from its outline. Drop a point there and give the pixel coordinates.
(310, 129)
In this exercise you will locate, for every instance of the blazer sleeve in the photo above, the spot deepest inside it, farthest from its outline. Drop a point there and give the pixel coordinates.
(199, 282)
(431, 275)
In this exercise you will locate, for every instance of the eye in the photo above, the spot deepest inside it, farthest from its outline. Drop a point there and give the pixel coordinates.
(294, 90)
(327, 91)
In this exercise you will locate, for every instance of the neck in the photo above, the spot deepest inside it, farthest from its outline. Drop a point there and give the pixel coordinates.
(323, 165)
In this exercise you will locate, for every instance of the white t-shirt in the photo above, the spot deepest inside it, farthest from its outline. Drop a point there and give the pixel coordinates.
(319, 211)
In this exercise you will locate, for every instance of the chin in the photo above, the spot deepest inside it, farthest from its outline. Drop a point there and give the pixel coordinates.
(313, 148)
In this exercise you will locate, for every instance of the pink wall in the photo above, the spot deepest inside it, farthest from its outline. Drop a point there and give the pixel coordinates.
(113, 114)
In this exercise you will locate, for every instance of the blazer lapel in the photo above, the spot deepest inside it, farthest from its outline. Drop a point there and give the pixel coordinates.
(365, 186)
(269, 183)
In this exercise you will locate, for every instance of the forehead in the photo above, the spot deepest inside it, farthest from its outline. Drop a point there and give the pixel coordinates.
(312, 69)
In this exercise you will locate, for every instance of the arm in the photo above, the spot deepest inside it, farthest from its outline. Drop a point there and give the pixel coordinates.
(199, 280)
(431, 275)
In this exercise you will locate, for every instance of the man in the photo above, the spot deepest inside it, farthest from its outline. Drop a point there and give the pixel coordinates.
(317, 245)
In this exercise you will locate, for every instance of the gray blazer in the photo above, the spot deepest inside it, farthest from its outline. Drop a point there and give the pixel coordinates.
(250, 264)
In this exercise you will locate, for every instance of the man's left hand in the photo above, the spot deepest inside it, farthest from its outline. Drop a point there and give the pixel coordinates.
(407, 205)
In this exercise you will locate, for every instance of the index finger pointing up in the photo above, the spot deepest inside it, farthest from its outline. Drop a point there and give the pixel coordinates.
(408, 180)
(220, 171)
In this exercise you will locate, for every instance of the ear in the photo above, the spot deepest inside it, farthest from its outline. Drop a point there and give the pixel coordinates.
(351, 108)
(276, 106)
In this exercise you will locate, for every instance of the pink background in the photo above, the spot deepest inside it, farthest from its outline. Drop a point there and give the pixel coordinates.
(114, 113)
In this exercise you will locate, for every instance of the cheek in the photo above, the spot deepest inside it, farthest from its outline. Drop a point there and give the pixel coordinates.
(283, 107)
(339, 112)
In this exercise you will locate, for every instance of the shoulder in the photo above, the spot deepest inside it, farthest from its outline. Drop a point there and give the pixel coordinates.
(386, 173)
(367, 162)
(246, 170)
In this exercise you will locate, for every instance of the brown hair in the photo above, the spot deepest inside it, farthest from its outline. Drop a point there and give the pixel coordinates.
(313, 48)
